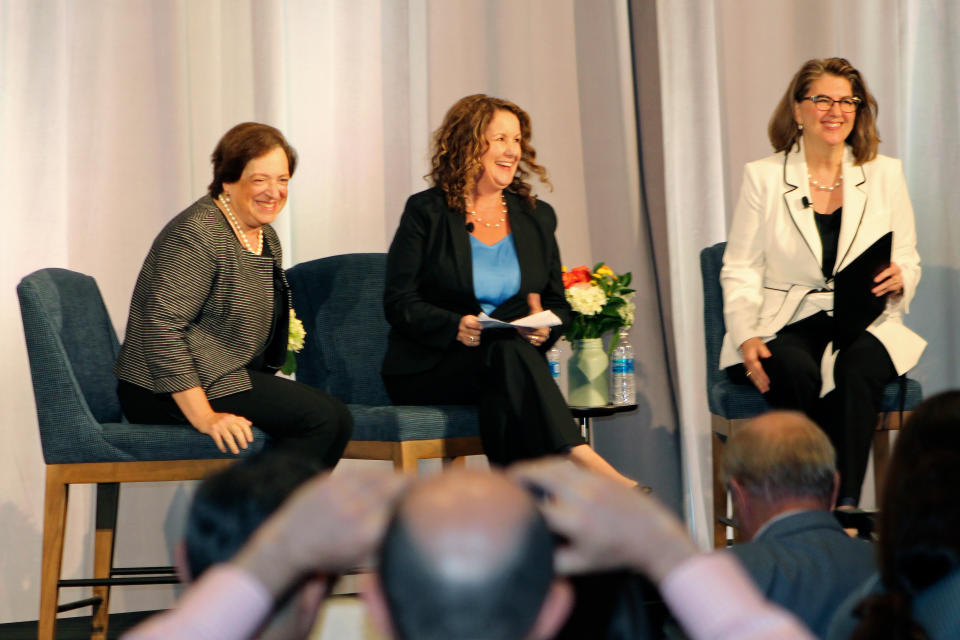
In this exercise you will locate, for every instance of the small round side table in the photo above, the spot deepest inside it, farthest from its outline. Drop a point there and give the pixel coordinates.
(586, 414)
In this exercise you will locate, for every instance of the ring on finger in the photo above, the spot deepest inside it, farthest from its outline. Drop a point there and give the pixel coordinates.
(749, 373)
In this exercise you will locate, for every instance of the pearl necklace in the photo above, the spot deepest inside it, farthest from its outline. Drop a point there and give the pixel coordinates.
(819, 187)
(500, 220)
(236, 227)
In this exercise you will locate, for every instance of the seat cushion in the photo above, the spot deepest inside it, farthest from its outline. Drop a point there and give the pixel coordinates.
(397, 424)
(738, 401)
(170, 442)
(891, 396)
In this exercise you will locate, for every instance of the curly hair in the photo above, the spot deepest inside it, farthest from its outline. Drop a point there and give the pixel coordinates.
(783, 131)
(460, 142)
(919, 518)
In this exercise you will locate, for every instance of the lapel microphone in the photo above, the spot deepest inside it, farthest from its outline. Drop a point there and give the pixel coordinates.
(805, 202)
(469, 227)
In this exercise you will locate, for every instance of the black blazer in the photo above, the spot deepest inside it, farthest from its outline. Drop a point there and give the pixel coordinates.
(429, 281)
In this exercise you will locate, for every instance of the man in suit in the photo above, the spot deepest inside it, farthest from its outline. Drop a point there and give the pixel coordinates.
(781, 474)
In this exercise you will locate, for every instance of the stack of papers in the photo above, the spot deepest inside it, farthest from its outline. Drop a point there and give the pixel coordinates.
(542, 319)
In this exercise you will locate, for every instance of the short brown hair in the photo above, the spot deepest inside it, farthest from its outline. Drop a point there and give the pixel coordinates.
(783, 131)
(460, 141)
(794, 460)
(240, 145)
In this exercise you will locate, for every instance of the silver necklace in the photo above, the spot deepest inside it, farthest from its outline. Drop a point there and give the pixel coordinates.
(500, 220)
(236, 226)
(819, 187)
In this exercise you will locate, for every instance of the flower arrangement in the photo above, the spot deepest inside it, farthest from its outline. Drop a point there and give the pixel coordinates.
(600, 301)
(296, 335)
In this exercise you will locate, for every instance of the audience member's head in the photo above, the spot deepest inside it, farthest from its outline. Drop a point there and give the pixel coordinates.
(919, 521)
(780, 461)
(468, 556)
(229, 506)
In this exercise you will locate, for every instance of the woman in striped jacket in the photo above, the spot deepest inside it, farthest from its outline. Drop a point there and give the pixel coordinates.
(210, 314)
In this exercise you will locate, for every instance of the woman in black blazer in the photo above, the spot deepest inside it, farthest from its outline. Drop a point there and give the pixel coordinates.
(210, 314)
(479, 241)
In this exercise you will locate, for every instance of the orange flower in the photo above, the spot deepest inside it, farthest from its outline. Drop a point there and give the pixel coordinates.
(578, 274)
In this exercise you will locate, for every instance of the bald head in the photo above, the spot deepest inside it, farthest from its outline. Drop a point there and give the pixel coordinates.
(781, 455)
(467, 556)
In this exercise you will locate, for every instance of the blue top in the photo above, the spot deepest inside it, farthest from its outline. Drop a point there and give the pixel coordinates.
(496, 272)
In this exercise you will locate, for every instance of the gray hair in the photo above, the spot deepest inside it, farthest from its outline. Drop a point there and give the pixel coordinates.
(781, 454)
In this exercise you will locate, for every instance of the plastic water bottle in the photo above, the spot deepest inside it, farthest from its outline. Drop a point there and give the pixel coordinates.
(553, 359)
(623, 386)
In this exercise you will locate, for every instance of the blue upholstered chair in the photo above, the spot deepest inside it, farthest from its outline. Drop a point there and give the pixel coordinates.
(85, 439)
(731, 404)
(340, 301)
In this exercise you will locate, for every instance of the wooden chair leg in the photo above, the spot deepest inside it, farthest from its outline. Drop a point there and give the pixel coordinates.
(404, 460)
(456, 462)
(719, 494)
(108, 495)
(54, 524)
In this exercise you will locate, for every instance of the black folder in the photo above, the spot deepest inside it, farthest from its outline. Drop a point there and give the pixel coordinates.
(854, 306)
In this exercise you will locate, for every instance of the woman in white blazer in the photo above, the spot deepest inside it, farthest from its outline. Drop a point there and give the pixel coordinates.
(804, 214)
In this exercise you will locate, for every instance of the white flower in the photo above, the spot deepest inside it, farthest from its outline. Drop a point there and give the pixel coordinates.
(296, 334)
(626, 313)
(586, 299)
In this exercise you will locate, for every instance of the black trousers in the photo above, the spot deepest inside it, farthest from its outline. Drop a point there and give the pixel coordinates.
(296, 416)
(522, 412)
(848, 414)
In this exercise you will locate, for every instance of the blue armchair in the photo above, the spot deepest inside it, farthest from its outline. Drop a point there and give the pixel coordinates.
(731, 404)
(340, 301)
(72, 345)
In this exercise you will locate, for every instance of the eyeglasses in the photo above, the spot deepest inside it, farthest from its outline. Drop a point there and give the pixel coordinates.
(825, 103)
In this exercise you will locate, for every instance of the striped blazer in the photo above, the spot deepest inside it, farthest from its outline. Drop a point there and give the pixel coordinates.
(202, 307)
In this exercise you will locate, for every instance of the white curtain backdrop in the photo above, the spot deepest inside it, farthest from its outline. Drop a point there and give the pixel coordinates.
(739, 56)
(109, 110)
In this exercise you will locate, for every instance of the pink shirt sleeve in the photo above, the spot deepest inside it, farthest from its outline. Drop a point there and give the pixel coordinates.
(226, 603)
(714, 599)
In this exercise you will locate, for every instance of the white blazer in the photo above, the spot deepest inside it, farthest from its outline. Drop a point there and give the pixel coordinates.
(772, 274)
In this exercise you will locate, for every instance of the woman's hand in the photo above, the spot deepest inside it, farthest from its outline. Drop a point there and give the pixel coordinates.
(226, 429)
(753, 349)
(469, 331)
(538, 335)
(891, 281)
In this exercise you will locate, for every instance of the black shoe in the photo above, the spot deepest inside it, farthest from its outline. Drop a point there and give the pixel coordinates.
(860, 519)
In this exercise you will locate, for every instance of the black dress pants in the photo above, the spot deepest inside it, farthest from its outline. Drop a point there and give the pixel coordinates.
(298, 417)
(522, 412)
(848, 414)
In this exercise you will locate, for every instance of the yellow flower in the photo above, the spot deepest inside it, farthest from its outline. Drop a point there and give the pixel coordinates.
(604, 271)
